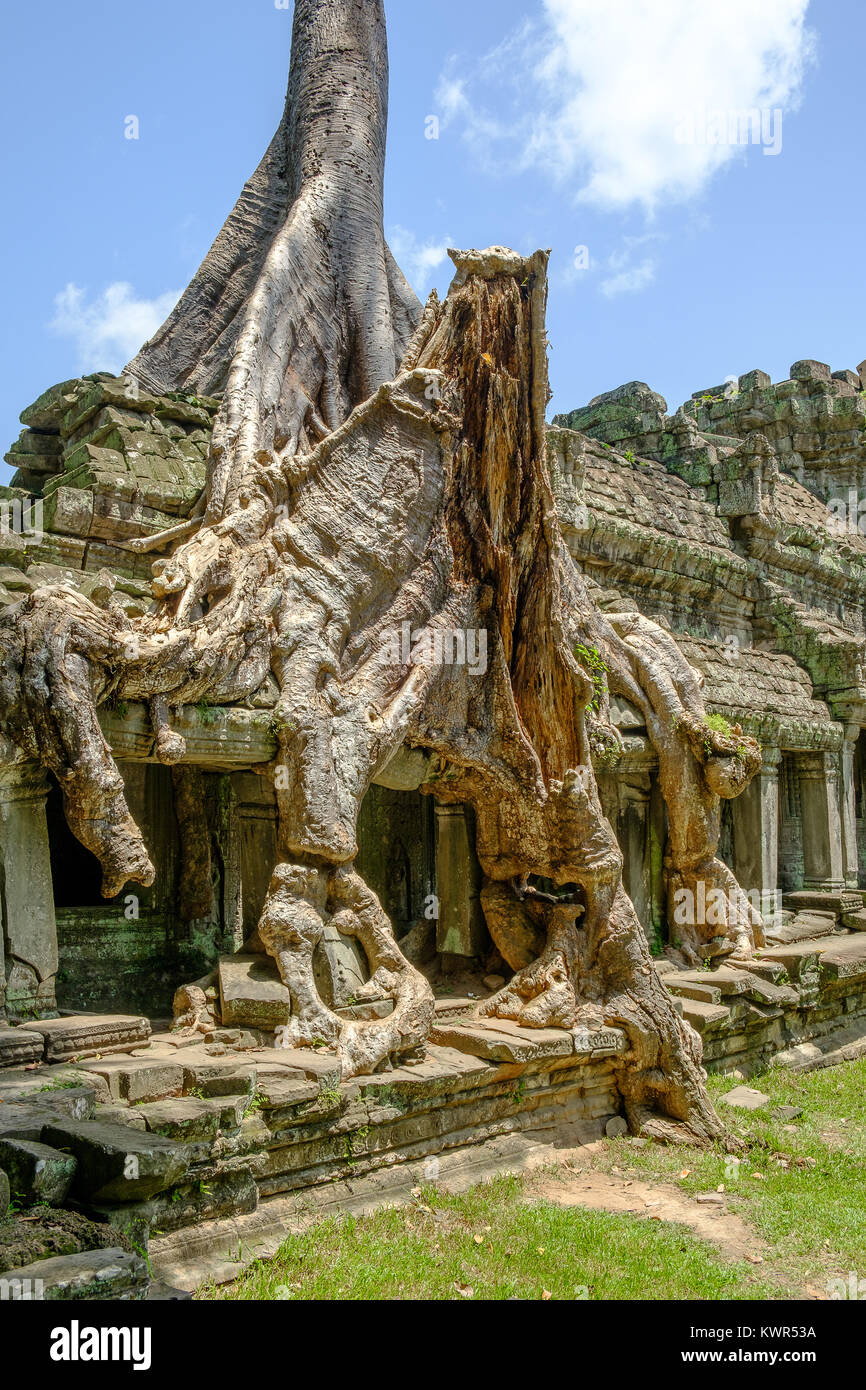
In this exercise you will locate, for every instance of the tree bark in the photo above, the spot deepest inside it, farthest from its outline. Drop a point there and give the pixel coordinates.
(299, 312)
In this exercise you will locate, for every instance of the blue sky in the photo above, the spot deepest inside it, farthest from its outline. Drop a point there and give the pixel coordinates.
(562, 123)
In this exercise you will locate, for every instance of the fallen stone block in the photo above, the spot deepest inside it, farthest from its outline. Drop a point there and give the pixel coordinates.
(189, 1120)
(767, 991)
(25, 1119)
(138, 1079)
(5, 1193)
(799, 958)
(746, 1098)
(117, 1164)
(252, 993)
(823, 901)
(36, 1172)
(75, 1101)
(164, 1044)
(18, 1046)
(276, 1092)
(806, 926)
(499, 1042)
(83, 1035)
(845, 959)
(62, 1082)
(455, 1004)
(770, 970)
(236, 1040)
(705, 1017)
(212, 1079)
(144, 1084)
(598, 1042)
(119, 1115)
(92, 1276)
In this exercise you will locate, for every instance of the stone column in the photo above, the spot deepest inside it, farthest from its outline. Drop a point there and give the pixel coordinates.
(658, 834)
(29, 930)
(850, 866)
(460, 929)
(822, 822)
(633, 834)
(756, 834)
(257, 853)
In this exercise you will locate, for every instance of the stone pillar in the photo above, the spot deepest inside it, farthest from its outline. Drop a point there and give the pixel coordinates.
(822, 823)
(29, 930)
(633, 834)
(460, 929)
(756, 834)
(850, 865)
(256, 827)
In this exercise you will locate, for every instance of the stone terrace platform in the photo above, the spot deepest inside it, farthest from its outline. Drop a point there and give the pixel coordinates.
(208, 1155)
(195, 1149)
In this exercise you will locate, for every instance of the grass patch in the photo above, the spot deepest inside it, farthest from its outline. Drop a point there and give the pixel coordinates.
(492, 1243)
(809, 1202)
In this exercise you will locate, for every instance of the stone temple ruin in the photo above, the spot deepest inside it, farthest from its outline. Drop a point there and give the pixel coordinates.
(187, 1060)
(728, 522)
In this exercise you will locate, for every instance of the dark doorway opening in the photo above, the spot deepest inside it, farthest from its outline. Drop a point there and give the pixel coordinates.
(75, 873)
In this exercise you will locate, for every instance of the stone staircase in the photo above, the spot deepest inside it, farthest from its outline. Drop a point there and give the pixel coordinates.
(802, 1003)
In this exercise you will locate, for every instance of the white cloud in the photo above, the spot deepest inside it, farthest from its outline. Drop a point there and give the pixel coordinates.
(596, 94)
(109, 329)
(417, 259)
(625, 274)
(629, 281)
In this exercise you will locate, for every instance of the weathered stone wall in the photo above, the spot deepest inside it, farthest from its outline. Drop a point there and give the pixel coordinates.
(735, 523)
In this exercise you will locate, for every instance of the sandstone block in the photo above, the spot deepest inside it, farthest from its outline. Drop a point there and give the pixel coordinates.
(746, 1098)
(252, 993)
(36, 1172)
(95, 1275)
(118, 1164)
(86, 1034)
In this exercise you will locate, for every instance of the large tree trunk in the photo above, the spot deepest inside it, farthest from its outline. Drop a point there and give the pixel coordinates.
(350, 494)
(299, 311)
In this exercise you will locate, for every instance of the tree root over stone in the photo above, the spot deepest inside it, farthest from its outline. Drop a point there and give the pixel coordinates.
(346, 498)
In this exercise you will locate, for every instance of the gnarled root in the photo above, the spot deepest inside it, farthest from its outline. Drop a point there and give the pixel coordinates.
(59, 655)
(700, 765)
(292, 926)
(710, 915)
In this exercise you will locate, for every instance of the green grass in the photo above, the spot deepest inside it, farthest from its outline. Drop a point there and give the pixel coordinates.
(497, 1244)
(809, 1202)
(500, 1241)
